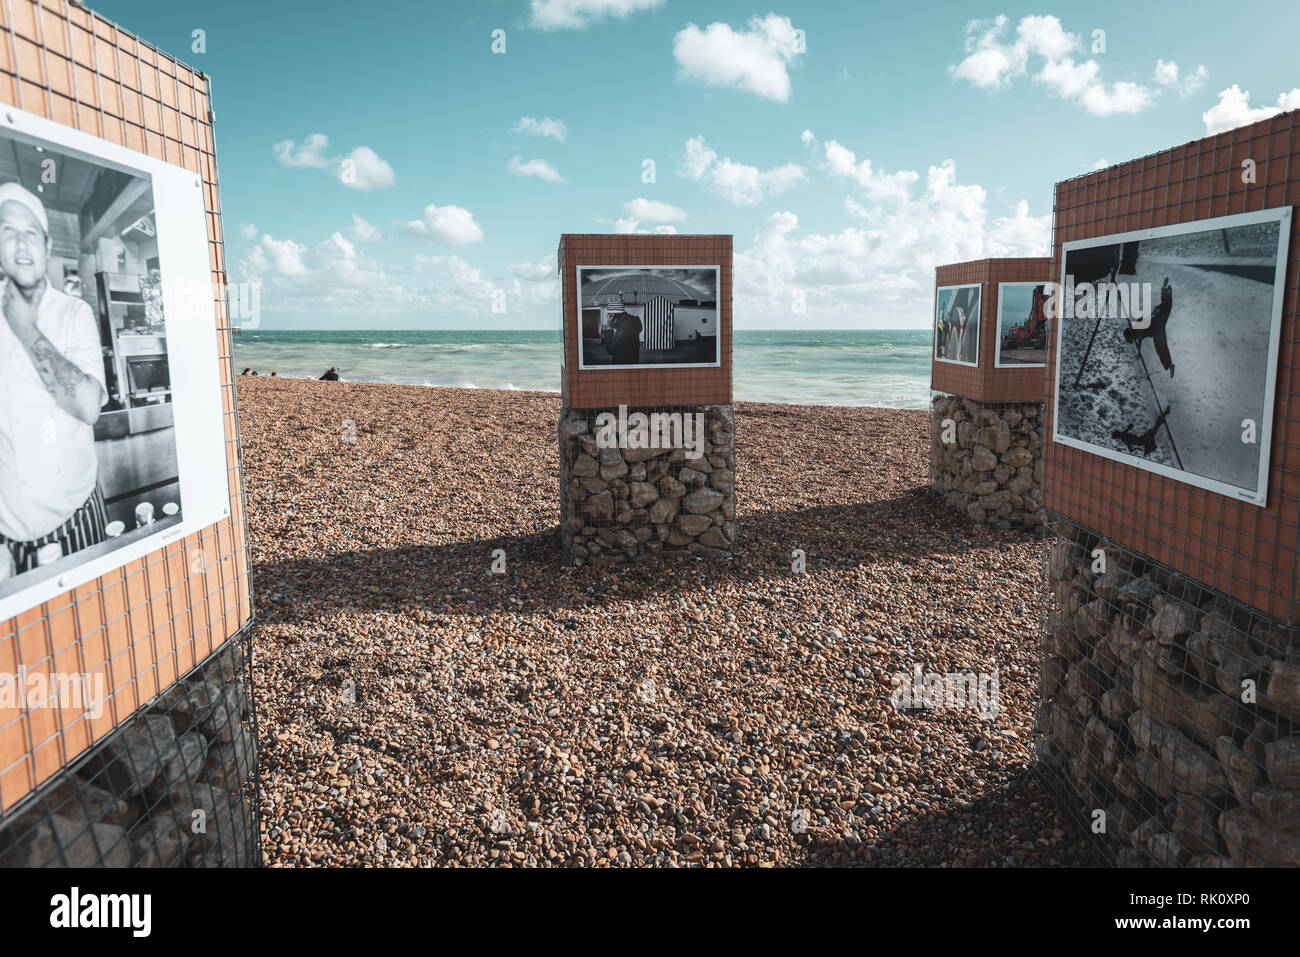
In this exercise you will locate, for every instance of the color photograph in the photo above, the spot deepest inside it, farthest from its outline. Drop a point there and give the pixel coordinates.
(1022, 324)
(957, 324)
(1168, 349)
(636, 317)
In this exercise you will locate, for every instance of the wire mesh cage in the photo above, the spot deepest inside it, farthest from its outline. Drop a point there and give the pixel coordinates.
(1167, 720)
(986, 459)
(175, 785)
(647, 480)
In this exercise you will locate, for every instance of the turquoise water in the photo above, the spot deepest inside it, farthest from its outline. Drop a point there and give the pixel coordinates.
(827, 367)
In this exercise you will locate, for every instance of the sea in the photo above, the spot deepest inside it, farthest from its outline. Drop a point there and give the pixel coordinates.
(810, 367)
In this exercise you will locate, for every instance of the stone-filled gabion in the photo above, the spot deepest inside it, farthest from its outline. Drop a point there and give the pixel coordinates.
(986, 459)
(173, 786)
(618, 503)
(1168, 714)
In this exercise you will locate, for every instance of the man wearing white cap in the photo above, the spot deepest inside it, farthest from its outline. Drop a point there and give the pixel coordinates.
(51, 391)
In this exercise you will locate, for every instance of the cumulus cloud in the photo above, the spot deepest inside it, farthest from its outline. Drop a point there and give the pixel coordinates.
(546, 126)
(1170, 76)
(362, 168)
(653, 210)
(881, 270)
(754, 59)
(735, 182)
(577, 14)
(248, 230)
(452, 225)
(879, 187)
(995, 60)
(630, 224)
(534, 272)
(364, 231)
(534, 169)
(1234, 109)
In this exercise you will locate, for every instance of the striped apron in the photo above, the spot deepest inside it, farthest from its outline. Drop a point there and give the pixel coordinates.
(83, 529)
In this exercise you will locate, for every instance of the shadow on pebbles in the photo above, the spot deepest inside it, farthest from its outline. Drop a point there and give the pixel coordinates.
(417, 708)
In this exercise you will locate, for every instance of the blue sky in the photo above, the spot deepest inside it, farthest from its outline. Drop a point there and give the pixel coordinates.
(382, 167)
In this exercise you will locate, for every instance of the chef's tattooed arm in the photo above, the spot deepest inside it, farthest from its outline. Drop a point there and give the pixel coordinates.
(75, 392)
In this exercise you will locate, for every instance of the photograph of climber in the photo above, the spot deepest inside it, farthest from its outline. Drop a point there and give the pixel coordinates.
(1167, 348)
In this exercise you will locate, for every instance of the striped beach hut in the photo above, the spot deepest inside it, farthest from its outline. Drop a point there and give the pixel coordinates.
(657, 323)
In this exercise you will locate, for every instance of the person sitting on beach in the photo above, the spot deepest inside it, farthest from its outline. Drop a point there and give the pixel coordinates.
(247, 371)
(331, 376)
(627, 340)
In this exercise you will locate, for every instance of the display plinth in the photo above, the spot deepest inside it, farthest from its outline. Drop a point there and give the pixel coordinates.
(647, 429)
(986, 409)
(1170, 669)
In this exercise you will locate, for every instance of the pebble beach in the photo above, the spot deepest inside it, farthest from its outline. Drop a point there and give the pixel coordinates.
(417, 707)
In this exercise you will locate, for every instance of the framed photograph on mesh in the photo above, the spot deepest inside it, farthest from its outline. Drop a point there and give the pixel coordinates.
(957, 324)
(1167, 348)
(639, 317)
(112, 442)
(1022, 325)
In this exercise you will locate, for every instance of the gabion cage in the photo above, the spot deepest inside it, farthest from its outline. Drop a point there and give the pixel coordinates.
(986, 459)
(675, 497)
(174, 786)
(1167, 721)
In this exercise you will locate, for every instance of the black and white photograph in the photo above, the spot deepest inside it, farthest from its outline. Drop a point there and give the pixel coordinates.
(1022, 325)
(957, 324)
(89, 464)
(1168, 349)
(633, 317)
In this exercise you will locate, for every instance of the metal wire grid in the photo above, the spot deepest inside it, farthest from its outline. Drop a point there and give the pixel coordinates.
(651, 385)
(121, 628)
(1007, 493)
(1251, 554)
(1168, 712)
(174, 786)
(597, 531)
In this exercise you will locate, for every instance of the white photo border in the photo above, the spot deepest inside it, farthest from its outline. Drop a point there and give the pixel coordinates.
(199, 423)
(934, 326)
(997, 330)
(1259, 496)
(717, 287)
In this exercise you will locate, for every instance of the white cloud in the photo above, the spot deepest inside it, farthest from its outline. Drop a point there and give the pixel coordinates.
(630, 224)
(993, 62)
(754, 60)
(882, 270)
(534, 272)
(1020, 234)
(248, 230)
(364, 231)
(1100, 163)
(735, 182)
(335, 281)
(281, 256)
(807, 138)
(1168, 75)
(1234, 109)
(452, 225)
(362, 168)
(535, 169)
(546, 126)
(879, 187)
(309, 154)
(653, 210)
(576, 14)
